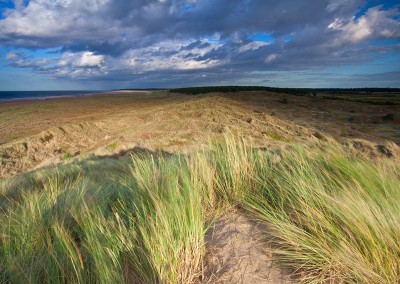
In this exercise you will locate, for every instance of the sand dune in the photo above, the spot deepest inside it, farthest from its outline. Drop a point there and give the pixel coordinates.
(237, 248)
(114, 123)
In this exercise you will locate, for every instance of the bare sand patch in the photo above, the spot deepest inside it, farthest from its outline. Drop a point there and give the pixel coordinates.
(237, 253)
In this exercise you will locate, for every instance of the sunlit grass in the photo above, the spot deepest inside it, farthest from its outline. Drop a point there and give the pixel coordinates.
(330, 216)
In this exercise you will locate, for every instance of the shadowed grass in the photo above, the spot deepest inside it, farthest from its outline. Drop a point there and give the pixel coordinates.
(142, 221)
(331, 216)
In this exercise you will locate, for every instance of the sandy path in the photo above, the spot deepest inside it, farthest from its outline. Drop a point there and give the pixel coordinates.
(237, 254)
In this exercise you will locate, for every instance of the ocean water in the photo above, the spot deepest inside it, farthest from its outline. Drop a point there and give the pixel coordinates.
(42, 95)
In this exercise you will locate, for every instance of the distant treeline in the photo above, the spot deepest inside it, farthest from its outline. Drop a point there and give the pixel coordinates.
(141, 89)
(293, 91)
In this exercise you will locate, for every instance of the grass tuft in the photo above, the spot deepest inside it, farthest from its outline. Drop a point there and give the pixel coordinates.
(331, 216)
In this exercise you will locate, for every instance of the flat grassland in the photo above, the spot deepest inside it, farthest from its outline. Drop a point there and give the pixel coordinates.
(369, 98)
(222, 187)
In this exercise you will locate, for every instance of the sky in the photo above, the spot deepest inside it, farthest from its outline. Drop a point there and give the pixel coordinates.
(112, 44)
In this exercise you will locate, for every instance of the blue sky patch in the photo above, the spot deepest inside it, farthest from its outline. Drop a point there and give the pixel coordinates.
(260, 36)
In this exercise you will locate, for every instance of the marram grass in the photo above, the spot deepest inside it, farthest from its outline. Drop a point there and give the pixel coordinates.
(331, 217)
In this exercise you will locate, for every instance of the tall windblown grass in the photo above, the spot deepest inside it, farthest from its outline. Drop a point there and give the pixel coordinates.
(330, 216)
(141, 222)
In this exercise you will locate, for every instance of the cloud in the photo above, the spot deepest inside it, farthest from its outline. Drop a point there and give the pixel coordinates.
(69, 65)
(374, 24)
(89, 59)
(44, 23)
(270, 58)
(81, 59)
(200, 39)
(252, 46)
(21, 60)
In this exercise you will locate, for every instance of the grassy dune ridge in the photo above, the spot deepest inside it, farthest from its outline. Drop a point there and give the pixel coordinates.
(329, 214)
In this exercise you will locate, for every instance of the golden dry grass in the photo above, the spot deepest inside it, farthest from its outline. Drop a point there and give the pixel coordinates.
(36, 134)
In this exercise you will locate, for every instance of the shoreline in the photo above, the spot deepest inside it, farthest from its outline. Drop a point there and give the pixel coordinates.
(52, 96)
(34, 100)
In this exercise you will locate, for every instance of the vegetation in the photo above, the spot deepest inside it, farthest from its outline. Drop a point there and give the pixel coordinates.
(68, 155)
(334, 217)
(389, 116)
(394, 92)
(113, 146)
(222, 89)
(284, 100)
(331, 216)
(375, 99)
(376, 96)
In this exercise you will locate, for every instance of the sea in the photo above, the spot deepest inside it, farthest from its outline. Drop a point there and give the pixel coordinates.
(43, 95)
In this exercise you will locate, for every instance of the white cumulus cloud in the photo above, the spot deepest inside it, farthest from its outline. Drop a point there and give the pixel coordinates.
(375, 24)
(88, 59)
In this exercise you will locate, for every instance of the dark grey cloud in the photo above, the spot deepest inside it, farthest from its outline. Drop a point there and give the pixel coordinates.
(196, 40)
(21, 60)
(99, 23)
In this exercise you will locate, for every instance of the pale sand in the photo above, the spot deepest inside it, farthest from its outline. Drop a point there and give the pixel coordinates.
(237, 252)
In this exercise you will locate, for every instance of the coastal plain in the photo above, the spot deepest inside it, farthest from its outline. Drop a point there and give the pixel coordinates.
(36, 134)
